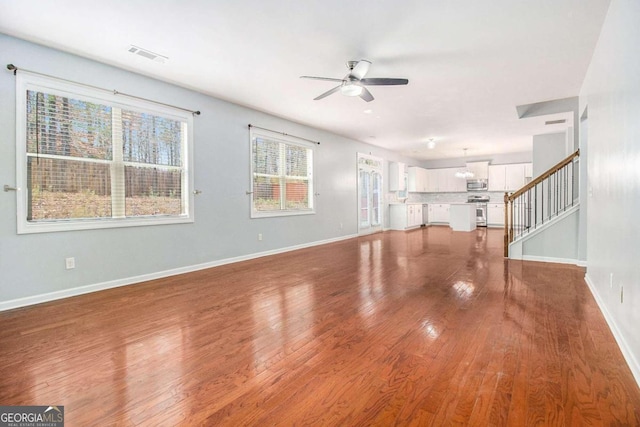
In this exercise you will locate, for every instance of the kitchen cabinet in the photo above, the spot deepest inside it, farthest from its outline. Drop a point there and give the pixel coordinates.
(514, 177)
(528, 170)
(456, 184)
(442, 180)
(432, 180)
(495, 214)
(480, 169)
(405, 216)
(510, 177)
(438, 213)
(397, 176)
(445, 181)
(462, 216)
(418, 178)
(497, 178)
(414, 215)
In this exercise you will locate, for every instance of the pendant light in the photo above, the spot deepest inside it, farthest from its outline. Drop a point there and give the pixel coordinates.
(465, 172)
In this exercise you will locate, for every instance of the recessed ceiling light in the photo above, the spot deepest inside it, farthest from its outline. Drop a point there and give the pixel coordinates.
(145, 53)
(431, 144)
(368, 111)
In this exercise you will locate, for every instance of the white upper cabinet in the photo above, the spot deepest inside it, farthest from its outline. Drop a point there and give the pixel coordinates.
(449, 182)
(514, 177)
(528, 170)
(508, 177)
(397, 172)
(432, 180)
(480, 169)
(444, 181)
(457, 184)
(418, 179)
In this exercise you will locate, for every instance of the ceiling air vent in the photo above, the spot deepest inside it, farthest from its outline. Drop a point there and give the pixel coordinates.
(555, 122)
(148, 54)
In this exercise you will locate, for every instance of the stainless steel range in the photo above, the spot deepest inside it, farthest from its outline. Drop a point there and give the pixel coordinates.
(481, 209)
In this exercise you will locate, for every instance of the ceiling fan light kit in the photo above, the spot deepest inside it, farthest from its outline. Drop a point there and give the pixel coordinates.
(353, 84)
(351, 89)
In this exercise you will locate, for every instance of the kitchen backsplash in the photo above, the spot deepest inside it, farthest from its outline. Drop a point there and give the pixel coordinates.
(495, 197)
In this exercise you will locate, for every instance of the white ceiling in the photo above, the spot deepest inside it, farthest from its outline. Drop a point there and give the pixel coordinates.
(469, 63)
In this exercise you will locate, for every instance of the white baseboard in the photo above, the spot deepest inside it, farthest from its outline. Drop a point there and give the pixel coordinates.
(627, 353)
(80, 290)
(555, 260)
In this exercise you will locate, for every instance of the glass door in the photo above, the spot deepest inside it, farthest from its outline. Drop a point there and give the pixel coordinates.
(364, 195)
(370, 194)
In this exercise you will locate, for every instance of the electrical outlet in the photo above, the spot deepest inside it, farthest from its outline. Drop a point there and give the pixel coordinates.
(611, 280)
(70, 263)
(260, 236)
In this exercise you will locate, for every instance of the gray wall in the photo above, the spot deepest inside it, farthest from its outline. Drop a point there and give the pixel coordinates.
(611, 90)
(559, 241)
(548, 150)
(32, 265)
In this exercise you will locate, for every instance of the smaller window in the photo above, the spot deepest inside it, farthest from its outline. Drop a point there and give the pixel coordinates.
(282, 176)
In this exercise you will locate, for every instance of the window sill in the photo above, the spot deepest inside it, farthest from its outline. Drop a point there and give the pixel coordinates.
(271, 214)
(95, 224)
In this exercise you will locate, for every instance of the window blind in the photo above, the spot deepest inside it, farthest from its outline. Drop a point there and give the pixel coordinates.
(282, 176)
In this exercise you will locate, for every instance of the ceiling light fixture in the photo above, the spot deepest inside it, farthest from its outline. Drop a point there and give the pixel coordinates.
(465, 172)
(351, 89)
(431, 144)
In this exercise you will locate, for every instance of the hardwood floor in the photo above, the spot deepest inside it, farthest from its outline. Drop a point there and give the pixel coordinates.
(429, 327)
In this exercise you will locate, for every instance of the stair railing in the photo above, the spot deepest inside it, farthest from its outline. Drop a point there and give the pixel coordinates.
(545, 197)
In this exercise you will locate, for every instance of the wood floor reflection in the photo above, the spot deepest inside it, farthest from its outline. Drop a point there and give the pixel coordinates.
(429, 327)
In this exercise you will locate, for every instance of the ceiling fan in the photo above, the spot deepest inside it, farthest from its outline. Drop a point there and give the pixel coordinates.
(353, 84)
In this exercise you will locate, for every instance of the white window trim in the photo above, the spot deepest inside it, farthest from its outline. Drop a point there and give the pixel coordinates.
(274, 136)
(28, 81)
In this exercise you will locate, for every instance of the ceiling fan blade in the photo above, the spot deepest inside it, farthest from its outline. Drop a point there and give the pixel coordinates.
(328, 79)
(383, 82)
(366, 95)
(327, 93)
(361, 69)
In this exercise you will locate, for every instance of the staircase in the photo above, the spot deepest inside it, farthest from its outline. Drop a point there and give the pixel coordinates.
(540, 205)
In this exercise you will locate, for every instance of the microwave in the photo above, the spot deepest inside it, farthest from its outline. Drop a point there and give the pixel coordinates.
(477, 185)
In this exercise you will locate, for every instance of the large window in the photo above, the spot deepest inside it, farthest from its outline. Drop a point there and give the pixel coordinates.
(282, 176)
(90, 159)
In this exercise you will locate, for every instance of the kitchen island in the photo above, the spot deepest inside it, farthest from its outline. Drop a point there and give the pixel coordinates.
(462, 216)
